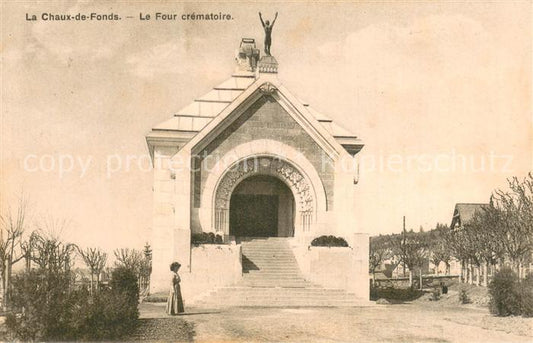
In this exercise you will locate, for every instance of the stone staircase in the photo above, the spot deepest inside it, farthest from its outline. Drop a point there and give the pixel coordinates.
(272, 278)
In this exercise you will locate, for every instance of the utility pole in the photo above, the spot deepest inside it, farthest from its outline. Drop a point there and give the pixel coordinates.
(403, 233)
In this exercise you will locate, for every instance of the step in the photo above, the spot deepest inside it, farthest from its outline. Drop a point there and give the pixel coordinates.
(261, 284)
(270, 264)
(274, 282)
(305, 303)
(290, 292)
(266, 265)
(262, 247)
(266, 249)
(278, 300)
(267, 254)
(284, 297)
(270, 259)
(284, 293)
(271, 277)
(271, 272)
(314, 288)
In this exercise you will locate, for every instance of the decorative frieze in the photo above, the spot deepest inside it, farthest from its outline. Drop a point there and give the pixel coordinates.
(265, 165)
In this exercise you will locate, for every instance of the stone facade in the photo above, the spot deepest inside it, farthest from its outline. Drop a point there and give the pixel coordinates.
(266, 119)
(250, 144)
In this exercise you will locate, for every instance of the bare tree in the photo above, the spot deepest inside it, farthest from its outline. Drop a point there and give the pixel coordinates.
(13, 226)
(515, 220)
(411, 249)
(379, 252)
(50, 253)
(140, 262)
(146, 269)
(487, 237)
(129, 258)
(438, 247)
(95, 259)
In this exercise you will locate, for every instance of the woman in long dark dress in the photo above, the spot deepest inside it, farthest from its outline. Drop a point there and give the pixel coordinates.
(175, 301)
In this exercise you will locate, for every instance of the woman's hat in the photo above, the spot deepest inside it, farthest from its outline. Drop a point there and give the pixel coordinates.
(174, 265)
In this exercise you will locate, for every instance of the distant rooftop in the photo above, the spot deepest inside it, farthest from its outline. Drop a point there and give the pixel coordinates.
(464, 212)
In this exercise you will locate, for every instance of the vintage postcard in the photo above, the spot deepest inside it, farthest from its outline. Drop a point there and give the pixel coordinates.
(238, 171)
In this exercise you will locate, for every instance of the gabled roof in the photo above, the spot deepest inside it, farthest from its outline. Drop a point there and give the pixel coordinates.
(266, 85)
(188, 122)
(195, 116)
(464, 212)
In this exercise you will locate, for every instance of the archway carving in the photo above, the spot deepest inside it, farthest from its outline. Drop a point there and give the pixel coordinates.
(265, 165)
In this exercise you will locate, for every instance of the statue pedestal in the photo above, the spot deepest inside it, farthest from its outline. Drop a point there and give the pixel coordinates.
(268, 64)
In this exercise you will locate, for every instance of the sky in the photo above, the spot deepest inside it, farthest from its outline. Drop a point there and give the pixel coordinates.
(439, 91)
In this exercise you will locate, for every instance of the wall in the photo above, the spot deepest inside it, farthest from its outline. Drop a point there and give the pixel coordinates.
(337, 267)
(428, 280)
(212, 266)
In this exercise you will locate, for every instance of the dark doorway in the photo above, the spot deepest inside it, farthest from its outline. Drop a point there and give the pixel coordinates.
(262, 206)
(254, 215)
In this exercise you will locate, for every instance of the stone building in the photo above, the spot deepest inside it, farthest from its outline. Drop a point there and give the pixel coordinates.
(250, 160)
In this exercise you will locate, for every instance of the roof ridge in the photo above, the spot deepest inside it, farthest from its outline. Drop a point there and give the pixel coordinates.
(208, 100)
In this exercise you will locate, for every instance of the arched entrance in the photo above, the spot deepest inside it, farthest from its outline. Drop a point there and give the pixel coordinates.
(264, 165)
(262, 206)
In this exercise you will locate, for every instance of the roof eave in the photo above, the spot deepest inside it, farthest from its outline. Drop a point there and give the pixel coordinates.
(167, 138)
(351, 144)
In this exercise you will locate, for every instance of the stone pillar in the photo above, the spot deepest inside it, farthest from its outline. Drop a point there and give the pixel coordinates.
(171, 233)
(163, 220)
(361, 245)
(182, 215)
(344, 198)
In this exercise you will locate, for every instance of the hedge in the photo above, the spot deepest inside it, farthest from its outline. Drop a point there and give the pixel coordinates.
(329, 241)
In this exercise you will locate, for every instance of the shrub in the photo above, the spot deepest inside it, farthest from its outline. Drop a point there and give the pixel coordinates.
(504, 295)
(435, 294)
(509, 295)
(329, 241)
(463, 297)
(396, 295)
(206, 238)
(124, 281)
(156, 298)
(125, 290)
(51, 309)
(108, 316)
(46, 305)
(526, 296)
(373, 292)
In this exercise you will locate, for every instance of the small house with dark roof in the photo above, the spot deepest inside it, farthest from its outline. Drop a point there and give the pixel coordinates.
(464, 212)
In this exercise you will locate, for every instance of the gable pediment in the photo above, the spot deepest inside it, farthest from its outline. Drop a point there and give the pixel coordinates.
(291, 106)
(199, 123)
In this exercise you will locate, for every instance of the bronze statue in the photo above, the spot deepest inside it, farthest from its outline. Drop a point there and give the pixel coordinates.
(268, 32)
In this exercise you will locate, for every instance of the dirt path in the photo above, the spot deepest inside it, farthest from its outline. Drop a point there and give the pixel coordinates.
(389, 323)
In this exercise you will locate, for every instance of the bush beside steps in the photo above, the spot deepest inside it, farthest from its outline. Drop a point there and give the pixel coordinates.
(329, 241)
